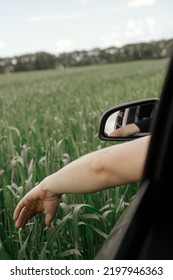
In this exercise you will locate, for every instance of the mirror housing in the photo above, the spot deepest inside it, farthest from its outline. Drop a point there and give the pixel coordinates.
(128, 121)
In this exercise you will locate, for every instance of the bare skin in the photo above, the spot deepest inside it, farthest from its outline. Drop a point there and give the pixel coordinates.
(126, 130)
(106, 168)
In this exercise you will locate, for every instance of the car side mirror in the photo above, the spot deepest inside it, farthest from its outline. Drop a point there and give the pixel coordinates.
(128, 121)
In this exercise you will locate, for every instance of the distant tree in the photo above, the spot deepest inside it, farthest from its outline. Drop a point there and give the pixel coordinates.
(129, 52)
(45, 61)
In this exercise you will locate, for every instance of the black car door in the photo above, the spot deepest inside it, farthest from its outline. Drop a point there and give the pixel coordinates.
(146, 229)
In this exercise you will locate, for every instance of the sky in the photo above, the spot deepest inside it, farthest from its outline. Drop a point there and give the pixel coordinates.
(56, 26)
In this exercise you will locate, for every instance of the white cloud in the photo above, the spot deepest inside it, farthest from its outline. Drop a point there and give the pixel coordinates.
(110, 39)
(146, 28)
(54, 17)
(2, 45)
(152, 25)
(134, 29)
(111, 9)
(141, 3)
(84, 2)
(63, 45)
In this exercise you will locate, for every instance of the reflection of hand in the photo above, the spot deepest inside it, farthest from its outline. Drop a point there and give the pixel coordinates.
(117, 133)
(34, 202)
(126, 130)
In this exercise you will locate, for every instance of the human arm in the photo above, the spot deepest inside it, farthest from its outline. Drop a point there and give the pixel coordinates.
(105, 168)
(126, 130)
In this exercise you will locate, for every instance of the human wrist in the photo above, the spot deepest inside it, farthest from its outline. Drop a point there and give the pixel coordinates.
(47, 185)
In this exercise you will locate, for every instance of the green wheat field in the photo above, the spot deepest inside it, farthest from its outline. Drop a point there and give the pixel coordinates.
(48, 119)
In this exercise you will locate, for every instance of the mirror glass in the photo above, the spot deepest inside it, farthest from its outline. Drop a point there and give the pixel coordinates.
(130, 121)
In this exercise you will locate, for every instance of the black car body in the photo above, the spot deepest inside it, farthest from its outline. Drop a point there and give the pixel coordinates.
(146, 229)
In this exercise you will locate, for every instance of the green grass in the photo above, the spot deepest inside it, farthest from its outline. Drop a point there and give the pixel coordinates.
(47, 119)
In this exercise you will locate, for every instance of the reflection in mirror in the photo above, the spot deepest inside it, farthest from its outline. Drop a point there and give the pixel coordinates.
(130, 121)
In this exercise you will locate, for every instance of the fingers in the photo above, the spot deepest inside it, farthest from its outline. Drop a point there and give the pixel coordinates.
(21, 214)
(48, 219)
(23, 217)
(29, 207)
(18, 209)
(49, 216)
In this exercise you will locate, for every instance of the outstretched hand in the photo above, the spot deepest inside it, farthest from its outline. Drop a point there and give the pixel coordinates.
(35, 201)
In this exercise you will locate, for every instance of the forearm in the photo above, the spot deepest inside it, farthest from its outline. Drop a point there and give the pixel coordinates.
(126, 130)
(112, 166)
(83, 175)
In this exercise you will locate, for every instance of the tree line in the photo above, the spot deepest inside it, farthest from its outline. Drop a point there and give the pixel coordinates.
(130, 52)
